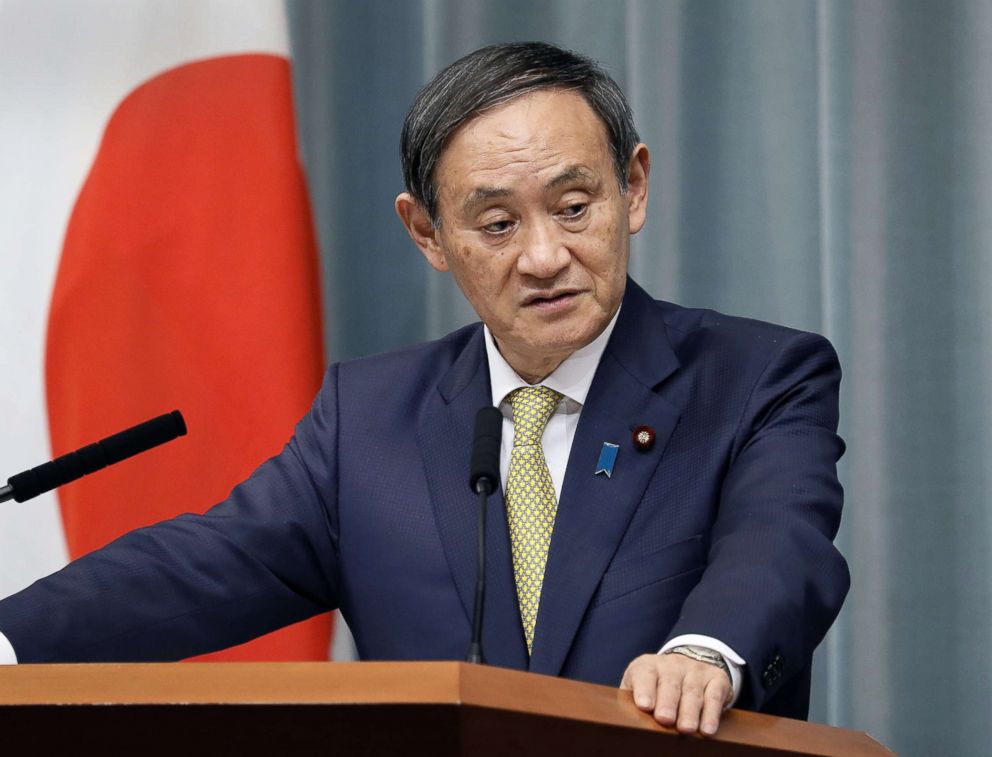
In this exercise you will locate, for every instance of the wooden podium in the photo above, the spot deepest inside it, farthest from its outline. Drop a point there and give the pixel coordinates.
(401, 708)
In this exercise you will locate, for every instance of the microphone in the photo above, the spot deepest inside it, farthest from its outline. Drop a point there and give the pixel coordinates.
(93, 457)
(483, 480)
(485, 450)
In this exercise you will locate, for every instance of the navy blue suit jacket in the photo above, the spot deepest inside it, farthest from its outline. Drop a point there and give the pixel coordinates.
(723, 528)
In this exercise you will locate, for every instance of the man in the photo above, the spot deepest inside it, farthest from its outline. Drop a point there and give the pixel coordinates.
(669, 474)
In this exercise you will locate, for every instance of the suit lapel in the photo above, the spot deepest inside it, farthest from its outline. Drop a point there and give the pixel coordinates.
(594, 511)
(445, 436)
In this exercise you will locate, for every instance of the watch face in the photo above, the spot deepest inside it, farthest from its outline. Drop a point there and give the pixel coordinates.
(709, 654)
(701, 654)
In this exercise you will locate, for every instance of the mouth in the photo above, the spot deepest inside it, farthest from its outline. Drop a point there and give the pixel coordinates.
(551, 302)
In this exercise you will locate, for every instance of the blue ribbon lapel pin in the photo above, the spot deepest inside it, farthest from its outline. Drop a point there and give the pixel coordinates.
(607, 459)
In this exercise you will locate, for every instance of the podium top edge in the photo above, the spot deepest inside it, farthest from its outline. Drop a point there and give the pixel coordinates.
(453, 684)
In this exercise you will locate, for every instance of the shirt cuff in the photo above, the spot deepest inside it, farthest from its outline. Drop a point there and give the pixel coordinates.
(734, 661)
(7, 655)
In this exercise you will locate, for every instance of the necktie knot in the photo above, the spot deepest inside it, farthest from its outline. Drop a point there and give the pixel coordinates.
(532, 408)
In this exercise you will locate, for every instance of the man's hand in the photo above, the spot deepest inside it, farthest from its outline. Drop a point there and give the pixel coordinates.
(681, 692)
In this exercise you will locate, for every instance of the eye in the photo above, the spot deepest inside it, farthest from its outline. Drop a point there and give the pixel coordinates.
(498, 228)
(575, 210)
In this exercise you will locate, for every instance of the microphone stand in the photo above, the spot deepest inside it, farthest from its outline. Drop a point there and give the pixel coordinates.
(483, 480)
(483, 488)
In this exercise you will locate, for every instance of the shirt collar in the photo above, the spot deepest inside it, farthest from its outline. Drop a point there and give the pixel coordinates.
(572, 378)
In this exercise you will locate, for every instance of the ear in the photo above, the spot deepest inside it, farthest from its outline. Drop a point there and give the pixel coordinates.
(637, 187)
(418, 225)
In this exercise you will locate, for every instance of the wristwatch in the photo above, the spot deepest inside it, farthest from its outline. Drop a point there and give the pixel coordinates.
(702, 654)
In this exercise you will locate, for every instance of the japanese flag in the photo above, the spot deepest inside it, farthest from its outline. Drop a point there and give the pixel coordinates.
(156, 252)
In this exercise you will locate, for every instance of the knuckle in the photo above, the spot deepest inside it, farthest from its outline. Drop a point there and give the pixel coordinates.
(637, 664)
(693, 687)
(716, 694)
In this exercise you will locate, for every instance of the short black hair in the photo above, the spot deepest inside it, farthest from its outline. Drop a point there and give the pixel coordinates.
(492, 76)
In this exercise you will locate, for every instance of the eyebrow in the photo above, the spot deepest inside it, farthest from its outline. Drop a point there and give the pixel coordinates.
(571, 174)
(481, 194)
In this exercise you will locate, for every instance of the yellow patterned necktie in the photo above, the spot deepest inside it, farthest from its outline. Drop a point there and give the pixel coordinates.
(530, 498)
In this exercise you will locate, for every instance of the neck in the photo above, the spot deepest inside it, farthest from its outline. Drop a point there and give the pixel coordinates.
(535, 378)
(533, 371)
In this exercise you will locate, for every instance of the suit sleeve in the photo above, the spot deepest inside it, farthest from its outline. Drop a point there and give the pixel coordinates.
(774, 582)
(262, 559)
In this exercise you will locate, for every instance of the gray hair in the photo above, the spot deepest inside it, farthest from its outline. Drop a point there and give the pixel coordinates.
(490, 77)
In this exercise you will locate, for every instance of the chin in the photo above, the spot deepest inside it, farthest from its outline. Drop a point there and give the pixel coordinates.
(565, 343)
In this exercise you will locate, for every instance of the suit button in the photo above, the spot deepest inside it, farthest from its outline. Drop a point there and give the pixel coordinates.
(772, 672)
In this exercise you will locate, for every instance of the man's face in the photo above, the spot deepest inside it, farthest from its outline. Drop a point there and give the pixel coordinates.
(534, 227)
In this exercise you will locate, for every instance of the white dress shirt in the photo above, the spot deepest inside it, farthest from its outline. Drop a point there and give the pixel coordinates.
(7, 655)
(572, 379)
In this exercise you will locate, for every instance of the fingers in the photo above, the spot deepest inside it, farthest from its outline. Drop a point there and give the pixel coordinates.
(641, 679)
(715, 697)
(669, 697)
(679, 692)
(690, 705)
(704, 690)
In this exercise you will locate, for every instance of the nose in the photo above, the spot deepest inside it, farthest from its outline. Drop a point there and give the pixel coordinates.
(544, 254)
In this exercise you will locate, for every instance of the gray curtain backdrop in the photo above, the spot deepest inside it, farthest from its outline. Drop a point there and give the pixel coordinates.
(827, 165)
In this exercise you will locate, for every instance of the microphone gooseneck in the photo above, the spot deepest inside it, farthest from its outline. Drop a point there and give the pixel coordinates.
(483, 480)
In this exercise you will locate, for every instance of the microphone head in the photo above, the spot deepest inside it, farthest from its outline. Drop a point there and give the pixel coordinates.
(179, 422)
(485, 450)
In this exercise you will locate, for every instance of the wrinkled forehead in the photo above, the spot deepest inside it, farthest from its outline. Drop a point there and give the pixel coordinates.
(524, 96)
(536, 131)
